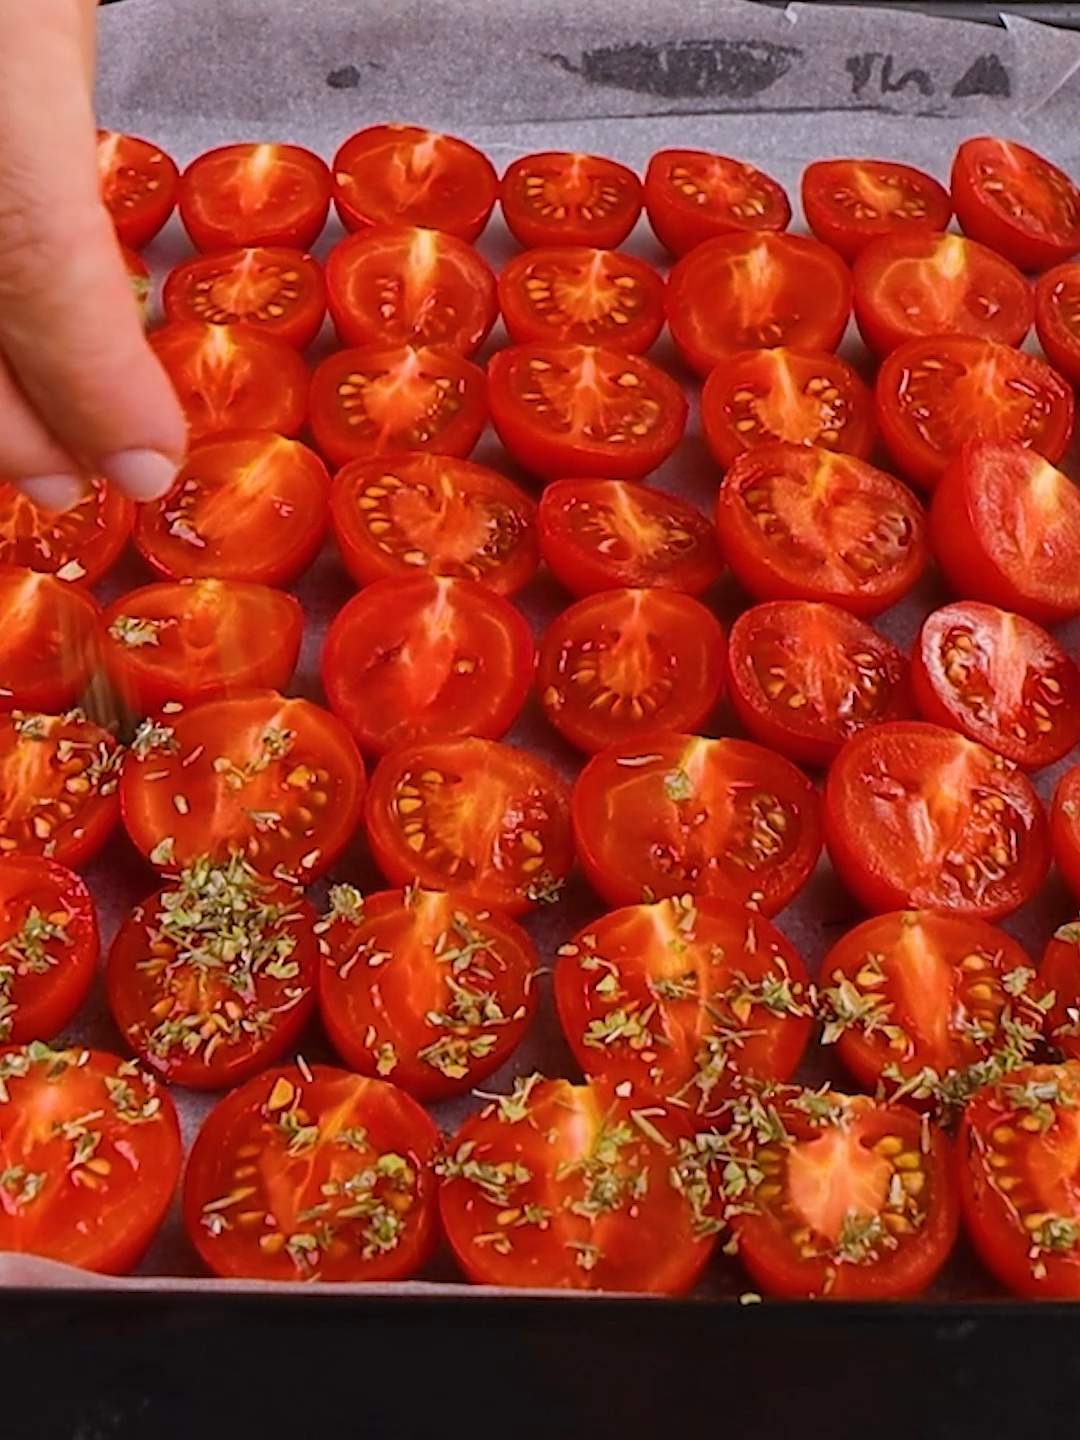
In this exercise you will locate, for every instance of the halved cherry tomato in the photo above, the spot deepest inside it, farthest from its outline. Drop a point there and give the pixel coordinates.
(250, 506)
(254, 194)
(80, 543)
(233, 377)
(424, 513)
(936, 394)
(563, 409)
(575, 1187)
(58, 781)
(424, 987)
(192, 640)
(1059, 972)
(848, 203)
(603, 534)
(278, 781)
(682, 814)
(692, 195)
(278, 290)
(838, 1195)
(472, 815)
(404, 285)
(1020, 1152)
(89, 1157)
(623, 663)
(404, 174)
(917, 816)
(426, 658)
(310, 1173)
(589, 296)
(1016, 202)
(999, 679)
(379, 400)
(138, 183)
(48, 640)
(805, 675)
(801, 523)
(48, 947)
(908, 286)
(1065, 827)
(753, 292)
(1005, 528)
(683, 998)
(806, 397)
(559, 197)
(1057, 318)
(213, 977)
(139, 275)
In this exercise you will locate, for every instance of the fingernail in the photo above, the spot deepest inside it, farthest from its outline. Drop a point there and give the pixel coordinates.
(142, 474)
(53, 492)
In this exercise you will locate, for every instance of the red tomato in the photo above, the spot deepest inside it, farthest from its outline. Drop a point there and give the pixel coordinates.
(574, 1187)
(753, 292)
(563, 409)
(379, 400)
(839, 1195)
(801, 523)
(233, 377)
(89, 1157)
(1057, 318)
(603, 534)
(1005, 528)
(213, 977)
(431, 514)
(1019, 1152)
(589, 296)
(937, 394)
(139, 275)
(255, 194)
(246, 507)
(310, 1173)
(1065, 827)
(682, 814)
(278, 290)
(558, 197)
(622, 663)
(138, 183)
(806, 397)
(1016, 202)
(476, 816)
(848, 203)
(57, 786)
(48, 640)
(48, 947)
(404, 174)
(999, 679)
(426, 658)
(919, 816)
(692, 195)
(910, 286)
(80, 543)
(278, 781)
(684, 998)
(424, 987)
(1059, 973)
(805, 675)
(192, 640)
(403, 285)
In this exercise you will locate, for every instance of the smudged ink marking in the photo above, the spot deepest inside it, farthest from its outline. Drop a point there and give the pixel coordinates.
(345, 78)
(686, 69)
(985, 76)
(873, 66)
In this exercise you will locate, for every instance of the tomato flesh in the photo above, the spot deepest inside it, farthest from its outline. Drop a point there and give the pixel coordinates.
(1015, 201)
(1065, 827)
(1057, 318)
(693, 195)
(58, 782)
(560, 197)
(1059, 973)
(849, 203)
(254, 194)
(582, 294)
(48, 643)
(278, 290)
(80, 543)
(138, 184)
(48, 947)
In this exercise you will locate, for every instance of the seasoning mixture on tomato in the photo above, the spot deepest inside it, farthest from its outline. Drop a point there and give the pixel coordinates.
(849, 203)
(1059, 972)
(138, 184)
(1015, 201)
(579, 293)
(564, 198)
(58, 783)
(692, 195)
(254, 194)
(275, 288)
(48, 947)
(48, 640)
(81, 543)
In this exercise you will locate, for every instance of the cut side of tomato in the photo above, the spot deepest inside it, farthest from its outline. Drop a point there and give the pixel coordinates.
(693, 195)
(1065, 828)
(255, 194)
(1015, 201)
(138, 184)
(1059, 973)
(81, 543)
(48, 642)
(849, 203)
(278, 290)
(578, 293)
(48, 947)
(559, 197)
(58, 783)
(1057, 318)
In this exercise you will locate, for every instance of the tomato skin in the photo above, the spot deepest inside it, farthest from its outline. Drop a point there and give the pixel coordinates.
(598, 198)
(623, 663)
(692, 196)
(254, 194)
(784, 512)
(1036, 221)
(367, 1164)
(84, 541)
(48, 644)
(1057, 318)
(446, 516)
(1059, 972)
(585, 295)
(48, 947)
(850, 203)
(46, 760)
(1065, 827)
(603, 534)
(538, 393)
(138, 185)
(892, 799)
(427, 658)
(982, 670)
(274, 288)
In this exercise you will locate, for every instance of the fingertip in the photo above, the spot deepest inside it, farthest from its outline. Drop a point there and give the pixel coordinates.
(53, 492)
(141, 474)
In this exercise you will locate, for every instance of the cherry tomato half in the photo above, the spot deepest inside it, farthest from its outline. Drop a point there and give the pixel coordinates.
(1059, 973)
(589, 296)
(692, 195)
(255, 194)
(559, 197)
(48, 640)
(58, 782)
(80, 543)
(1016, 202)
(48, 947)
(278, 290)
(1065, 827)
(1057, 318)
(848, 203)
(138, 183)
